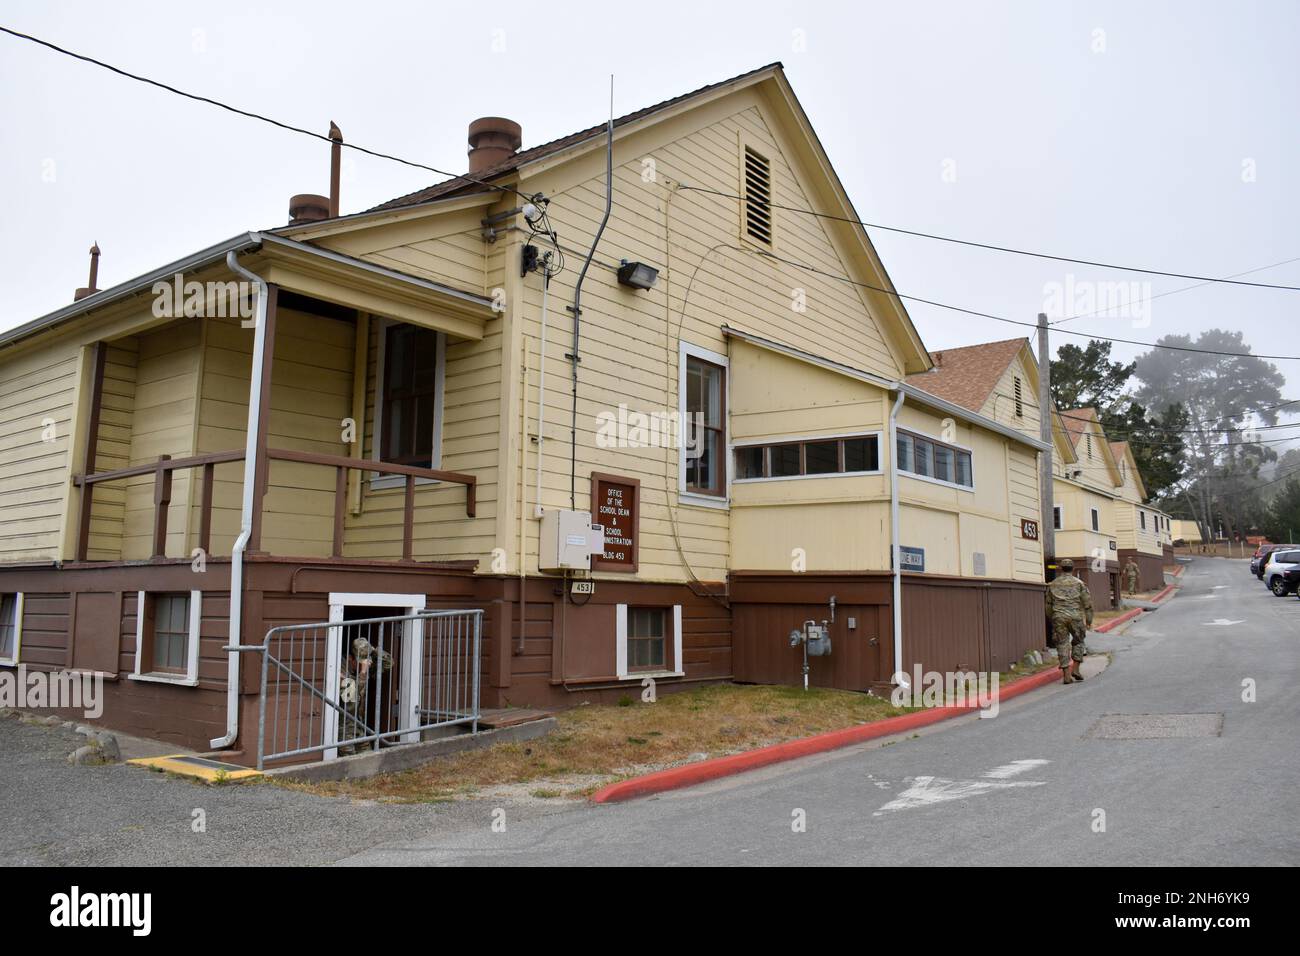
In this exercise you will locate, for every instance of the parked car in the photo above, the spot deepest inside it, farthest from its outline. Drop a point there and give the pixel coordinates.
(1275, 572)
(1260, 559)
(1291, 576)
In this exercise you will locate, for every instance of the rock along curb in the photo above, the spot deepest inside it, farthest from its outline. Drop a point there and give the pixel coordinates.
(705, 770)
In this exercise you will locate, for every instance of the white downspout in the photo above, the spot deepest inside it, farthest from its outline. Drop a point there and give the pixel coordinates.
(246, 506)
(895, 548)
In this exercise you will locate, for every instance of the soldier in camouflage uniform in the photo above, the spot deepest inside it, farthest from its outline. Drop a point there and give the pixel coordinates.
(354, 687)
(1069, 608)
(1132, 576)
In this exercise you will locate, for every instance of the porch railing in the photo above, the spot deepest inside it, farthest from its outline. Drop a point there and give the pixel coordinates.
(339, 687)
(165, 467)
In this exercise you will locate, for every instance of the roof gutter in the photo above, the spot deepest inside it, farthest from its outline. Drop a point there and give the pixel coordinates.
(213, 254)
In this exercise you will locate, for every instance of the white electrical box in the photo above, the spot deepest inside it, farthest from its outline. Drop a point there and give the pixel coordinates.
(568, 540)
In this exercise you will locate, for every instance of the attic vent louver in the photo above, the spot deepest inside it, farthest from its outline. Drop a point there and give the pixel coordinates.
(758, 198)
(1020, 399)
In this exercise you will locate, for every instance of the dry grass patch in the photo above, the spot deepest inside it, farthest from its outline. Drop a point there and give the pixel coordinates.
(598, 743)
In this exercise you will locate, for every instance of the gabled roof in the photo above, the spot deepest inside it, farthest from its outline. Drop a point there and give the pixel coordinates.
(1121, 450)
(523, 157)
(1077, 422)
(966, 376)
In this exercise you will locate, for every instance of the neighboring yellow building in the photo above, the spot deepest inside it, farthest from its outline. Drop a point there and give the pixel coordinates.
(411, 413)
(1145, 533)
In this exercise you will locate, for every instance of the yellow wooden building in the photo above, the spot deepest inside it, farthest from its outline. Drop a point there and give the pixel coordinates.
(396, 409)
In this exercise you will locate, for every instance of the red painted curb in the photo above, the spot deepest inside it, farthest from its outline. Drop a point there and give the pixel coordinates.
(1178, 572)
(1163, 594)
(703, 771)
(1116, 622)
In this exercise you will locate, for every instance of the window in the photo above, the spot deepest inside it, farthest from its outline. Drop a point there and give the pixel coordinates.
(646, 638)
(705, 391)
(1020, 400)
(11, 624)
(1142, 517)
(167, 637)
(758, 198)
(1096, 519)
(409, 395)
(1056, 517)
(853, 454)
(927, 458)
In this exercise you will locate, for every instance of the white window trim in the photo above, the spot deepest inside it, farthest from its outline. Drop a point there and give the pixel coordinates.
(412, 652)
(191, 676)
(620, 646)
(18, 633)
(752, 442)
(1095, 515)
(687, 350)
(1058, 513)
(377, 480)
(917, 433)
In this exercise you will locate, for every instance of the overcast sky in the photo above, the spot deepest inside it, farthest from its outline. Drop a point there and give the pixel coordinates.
(1162, 135)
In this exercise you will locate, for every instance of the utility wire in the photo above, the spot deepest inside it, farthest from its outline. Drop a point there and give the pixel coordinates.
(1002, 318)
(251, 115)
(991, 246)
(1186, 288)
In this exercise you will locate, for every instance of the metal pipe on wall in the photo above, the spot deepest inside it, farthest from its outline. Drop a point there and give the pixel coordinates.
(894, 534)
(246, 505)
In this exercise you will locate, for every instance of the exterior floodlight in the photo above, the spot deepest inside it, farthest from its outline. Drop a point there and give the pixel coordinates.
(637, 275)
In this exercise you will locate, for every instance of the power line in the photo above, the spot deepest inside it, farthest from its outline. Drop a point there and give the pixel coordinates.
(251, 115)
(1001, 318)
(1180, 431)
(1186, 288)
(992, 247)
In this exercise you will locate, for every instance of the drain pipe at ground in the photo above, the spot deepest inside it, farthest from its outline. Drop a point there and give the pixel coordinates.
(895, 549)
(246, 506)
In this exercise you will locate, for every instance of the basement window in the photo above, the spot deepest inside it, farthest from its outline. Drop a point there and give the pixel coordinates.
(809, 458)
(647, 630)
(167, 637)
(11, 625)
(758, 197)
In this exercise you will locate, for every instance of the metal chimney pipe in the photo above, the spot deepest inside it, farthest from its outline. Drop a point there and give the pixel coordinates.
(336, 160)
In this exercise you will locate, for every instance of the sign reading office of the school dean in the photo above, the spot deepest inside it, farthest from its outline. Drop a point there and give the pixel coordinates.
(616, 504)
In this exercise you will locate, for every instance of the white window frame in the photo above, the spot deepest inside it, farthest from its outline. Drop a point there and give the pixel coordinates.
(790, 439)
(1142, 520)
(1095, 514)
(18, 632)
(917, 433)
(412, 661)
(620, 646)
(1058, 517)
(687, 350)
(191, 676)
(377, 480)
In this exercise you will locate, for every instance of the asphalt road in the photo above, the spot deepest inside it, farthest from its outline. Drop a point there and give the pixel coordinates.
(1031, 786)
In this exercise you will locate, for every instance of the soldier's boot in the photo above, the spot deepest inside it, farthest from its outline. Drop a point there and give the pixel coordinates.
(1078, 670)
(1065, 675)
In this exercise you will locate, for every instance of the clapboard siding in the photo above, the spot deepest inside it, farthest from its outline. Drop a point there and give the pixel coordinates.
(38, 393)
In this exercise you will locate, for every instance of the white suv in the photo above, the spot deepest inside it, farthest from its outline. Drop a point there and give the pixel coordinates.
(1274, 572)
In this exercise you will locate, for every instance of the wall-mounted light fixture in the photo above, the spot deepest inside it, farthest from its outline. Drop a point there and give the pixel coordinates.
(637, 275)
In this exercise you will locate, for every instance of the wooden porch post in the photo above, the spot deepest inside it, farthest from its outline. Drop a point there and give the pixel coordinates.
(92, 443)
(162, 499)
(263, 465)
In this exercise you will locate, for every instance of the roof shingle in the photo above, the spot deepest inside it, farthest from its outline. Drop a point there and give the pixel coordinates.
(966, 376)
